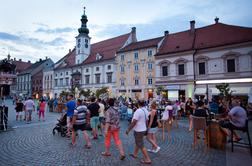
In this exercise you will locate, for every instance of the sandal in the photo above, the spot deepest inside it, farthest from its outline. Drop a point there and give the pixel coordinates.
(105, 154)
(145, 162)
(122, 157)
(132, 155)
(88, 146)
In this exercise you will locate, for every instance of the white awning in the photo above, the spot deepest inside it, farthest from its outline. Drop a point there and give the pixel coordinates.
(215, 91)
(200, 91)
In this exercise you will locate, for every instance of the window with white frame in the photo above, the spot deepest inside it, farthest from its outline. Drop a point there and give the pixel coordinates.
(136, 67)
(109, 67)
(122, 57)
(136, 55)
(181, 69)
(97, 69)
(61, 82)
(97, 78)
(149, 66)
(67, 81)
(202, 68)
(109, 77)
(149, 81)
(122, 68)
(136, 81)
(87, 70)
(122, 82)
(149, 53)
(87, 78)
(164, 70)
(230, 65)
(56, 82)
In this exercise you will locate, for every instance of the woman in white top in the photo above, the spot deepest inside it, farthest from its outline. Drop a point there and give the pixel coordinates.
(167, 119)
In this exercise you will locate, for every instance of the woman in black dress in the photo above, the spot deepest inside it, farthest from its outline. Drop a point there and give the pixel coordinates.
(19, 109)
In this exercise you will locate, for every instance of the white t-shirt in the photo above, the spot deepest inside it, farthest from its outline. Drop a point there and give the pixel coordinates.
(101, 110)
(29, 104)
(141, 115)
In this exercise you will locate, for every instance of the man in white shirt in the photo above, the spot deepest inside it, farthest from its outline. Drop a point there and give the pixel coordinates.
(29, 107)
(139, 124)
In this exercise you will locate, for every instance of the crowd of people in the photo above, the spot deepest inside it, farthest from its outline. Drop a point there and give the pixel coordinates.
(102, 118)
(25, 108)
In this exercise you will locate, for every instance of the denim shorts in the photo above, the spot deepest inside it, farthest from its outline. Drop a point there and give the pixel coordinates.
(152, 130)
(94, 122)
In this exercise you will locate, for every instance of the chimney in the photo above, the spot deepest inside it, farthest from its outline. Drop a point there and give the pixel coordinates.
(70, 50)
(29, 61)
(166, 33)
(192, 26)
(14, 59)
(216, 20)
(20, 60)
(46, 57)
(40, 60)
(133, 32)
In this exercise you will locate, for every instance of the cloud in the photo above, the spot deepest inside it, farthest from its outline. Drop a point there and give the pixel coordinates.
(8, 36)
(55, 30)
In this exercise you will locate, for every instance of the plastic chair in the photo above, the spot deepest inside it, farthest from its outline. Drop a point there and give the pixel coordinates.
(199, 123)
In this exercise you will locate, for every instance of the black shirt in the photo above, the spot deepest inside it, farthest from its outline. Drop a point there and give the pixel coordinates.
(19, 107)
(94, 109)
(200, 112)
(154, 122)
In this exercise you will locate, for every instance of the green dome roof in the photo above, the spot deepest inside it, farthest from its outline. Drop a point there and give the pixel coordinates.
(83, 29)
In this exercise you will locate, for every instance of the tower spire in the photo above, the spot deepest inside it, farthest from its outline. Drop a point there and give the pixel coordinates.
(83, 29)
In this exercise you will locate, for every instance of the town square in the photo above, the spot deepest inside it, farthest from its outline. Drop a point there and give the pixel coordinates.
(125, 83)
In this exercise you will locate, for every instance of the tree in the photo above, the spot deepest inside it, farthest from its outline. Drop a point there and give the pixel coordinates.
(159, 90)
(101, 91)
(85, 92)
(224, 89)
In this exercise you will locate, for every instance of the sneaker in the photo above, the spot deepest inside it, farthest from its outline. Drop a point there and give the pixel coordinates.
(157, 150)
(149, 150)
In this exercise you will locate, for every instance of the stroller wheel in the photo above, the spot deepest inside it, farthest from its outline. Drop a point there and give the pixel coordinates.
(53, 132)
(63, 134)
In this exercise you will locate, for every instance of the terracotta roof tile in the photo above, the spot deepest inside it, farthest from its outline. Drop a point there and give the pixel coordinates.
(214, 35)
(21, 66)
(177, 42)
(107, 48)
(221, 34)
(142, 44)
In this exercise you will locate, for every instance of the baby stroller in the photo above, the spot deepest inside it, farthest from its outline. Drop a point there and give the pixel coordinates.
(61, 126)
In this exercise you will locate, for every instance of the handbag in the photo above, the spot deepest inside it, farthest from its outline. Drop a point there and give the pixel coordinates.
(146, 123)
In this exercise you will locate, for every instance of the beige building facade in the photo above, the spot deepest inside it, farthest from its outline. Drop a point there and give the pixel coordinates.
(136, 69)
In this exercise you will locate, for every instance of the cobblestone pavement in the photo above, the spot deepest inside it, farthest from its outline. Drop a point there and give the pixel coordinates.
(34, 144)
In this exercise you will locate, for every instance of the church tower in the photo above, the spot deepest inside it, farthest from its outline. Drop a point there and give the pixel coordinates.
(83, 46)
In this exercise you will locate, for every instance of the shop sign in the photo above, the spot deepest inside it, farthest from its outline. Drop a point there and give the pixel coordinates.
(172, 87)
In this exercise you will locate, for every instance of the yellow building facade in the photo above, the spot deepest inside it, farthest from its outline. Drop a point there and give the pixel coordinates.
(136, 69)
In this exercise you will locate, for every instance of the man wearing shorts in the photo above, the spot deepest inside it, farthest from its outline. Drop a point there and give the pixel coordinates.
(94, 114)
(29, 107)
(139, 125)
(237, 117)
(70, 112)
(80, 122)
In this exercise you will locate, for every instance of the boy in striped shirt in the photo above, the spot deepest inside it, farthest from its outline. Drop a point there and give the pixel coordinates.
(80, 116)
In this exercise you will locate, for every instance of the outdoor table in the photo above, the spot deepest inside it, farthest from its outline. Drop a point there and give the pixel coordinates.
(216, 135)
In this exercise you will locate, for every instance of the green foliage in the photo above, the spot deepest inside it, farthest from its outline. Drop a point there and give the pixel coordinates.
(64, 94)
(85, 92)
(100, 91)
(159, 90)
(224, 89)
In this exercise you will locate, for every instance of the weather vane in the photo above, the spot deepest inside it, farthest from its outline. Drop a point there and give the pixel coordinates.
(84, 9)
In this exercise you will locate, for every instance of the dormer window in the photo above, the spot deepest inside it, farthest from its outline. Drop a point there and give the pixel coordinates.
(98, 56)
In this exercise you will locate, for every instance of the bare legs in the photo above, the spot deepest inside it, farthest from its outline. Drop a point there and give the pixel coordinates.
(145, 154)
